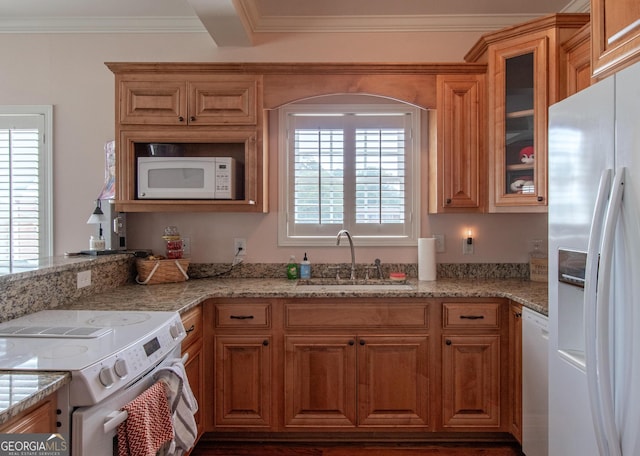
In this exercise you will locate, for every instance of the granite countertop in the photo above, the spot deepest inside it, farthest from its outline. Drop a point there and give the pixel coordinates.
(21, 390)
(182, 296)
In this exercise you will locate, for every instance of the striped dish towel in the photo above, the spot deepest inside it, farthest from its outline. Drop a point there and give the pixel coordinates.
(148, 426)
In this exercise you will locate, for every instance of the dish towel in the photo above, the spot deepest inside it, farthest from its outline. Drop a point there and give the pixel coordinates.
(148, 427)
(183, 406)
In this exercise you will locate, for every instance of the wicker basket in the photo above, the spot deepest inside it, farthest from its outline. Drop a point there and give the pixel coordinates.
(151, 272)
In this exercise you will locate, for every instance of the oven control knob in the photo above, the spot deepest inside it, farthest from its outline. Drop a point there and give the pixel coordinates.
(121, 368)
(106, 377)
(174, 330)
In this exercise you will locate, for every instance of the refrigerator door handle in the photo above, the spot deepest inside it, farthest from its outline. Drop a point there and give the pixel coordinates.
(590, 291)
(603, 361)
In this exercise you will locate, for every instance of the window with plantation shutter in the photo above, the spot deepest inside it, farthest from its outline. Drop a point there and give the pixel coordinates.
(25, 227)
(349, 167)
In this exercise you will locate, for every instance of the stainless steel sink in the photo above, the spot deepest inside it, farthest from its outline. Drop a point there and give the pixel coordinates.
(334, 285)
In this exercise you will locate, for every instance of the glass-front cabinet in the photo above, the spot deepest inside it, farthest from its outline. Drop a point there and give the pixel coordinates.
(525, 76)
(519, 148)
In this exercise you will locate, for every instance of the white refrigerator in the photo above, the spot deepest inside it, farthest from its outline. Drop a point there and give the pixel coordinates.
(594, 270)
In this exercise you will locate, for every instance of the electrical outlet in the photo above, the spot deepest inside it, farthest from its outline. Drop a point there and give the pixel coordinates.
(84, 279)
(239, 247)
(186, 246)
(440, 243)
(467, 249)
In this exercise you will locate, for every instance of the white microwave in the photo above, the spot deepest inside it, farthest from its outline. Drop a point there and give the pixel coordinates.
(187, 178)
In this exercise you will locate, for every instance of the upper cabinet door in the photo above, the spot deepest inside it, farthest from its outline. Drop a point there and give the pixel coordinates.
(615, 35)
(153, 102)
(458, 160)
(224, 102)
(518, 138)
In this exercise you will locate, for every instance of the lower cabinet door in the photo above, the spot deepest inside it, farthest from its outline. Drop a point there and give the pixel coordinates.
(471, 381)
(243, 381)
(320, 381)
(393, 381)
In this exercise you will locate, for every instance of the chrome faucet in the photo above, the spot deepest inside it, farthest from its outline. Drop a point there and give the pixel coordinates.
(353, 253)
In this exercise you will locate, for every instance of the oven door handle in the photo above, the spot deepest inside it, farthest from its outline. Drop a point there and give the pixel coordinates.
(114, 419)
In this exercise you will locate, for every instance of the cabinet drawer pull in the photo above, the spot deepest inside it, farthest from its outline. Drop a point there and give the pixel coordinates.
(187, 331)
(241, 317)
(472, 317)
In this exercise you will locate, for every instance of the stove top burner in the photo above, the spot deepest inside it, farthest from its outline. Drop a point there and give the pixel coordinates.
(72, 332)
(118, 319)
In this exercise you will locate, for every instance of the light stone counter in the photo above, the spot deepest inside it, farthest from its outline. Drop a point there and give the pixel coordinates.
(182, 296)
(21, 390)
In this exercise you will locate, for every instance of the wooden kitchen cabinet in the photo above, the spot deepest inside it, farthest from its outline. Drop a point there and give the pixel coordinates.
(40, 418)
(192, 346)
(473, 396)
(240, 390)
(356, 365)
(199, 110)
(515, 368)
(208, 100)
(577, 50)
(615, 35)
(524, 79)
(242, 381)
(356, 380)
(458, 183)
(320, 381)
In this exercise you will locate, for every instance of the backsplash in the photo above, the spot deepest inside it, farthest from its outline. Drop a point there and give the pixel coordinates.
(55, 284)
(445, 270)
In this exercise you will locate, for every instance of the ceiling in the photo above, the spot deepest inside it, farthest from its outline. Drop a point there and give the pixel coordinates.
(238, 22)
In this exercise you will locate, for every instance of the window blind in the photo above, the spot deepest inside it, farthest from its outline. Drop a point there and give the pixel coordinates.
(21, 189)
(349, 167)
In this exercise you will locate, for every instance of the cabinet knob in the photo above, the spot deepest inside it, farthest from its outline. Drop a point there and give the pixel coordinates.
(192, 118)
(180, 119)
(362, 342)
(448, 201)
(191, 329)
(352, 342)
(265, 343)
(448, 342)
(541, 198)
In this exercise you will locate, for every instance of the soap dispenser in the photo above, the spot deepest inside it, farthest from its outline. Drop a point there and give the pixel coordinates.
(305, 268)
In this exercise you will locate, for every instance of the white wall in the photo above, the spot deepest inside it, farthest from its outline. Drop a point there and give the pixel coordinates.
(68, 71)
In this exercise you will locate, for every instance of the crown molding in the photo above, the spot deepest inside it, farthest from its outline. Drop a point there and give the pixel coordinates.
(181, 24)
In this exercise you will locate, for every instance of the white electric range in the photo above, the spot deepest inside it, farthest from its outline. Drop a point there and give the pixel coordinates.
(111, 355)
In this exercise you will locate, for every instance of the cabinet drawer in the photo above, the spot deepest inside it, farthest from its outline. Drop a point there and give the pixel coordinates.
(192, 321)
(243, 315)
(356, 315)
(471, 315)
